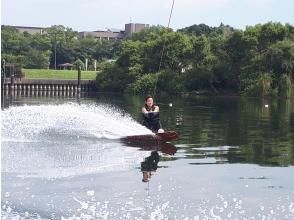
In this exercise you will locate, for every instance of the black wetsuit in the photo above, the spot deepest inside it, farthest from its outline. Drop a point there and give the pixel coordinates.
(151, 119)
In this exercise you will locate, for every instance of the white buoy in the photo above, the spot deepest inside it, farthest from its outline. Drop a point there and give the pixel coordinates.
(266, 105)
(170, 104)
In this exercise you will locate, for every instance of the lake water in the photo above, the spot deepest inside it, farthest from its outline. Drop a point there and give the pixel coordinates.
(62, 158)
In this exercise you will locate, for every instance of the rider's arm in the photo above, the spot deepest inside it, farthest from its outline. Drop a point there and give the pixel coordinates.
(156, 109)
(144, 111)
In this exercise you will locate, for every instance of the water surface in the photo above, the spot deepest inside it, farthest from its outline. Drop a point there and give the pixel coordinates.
(62, 158)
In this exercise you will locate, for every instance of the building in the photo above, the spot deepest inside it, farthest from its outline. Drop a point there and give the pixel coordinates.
(30, 30)
(133, 28)
(107, 34)
(113, 34)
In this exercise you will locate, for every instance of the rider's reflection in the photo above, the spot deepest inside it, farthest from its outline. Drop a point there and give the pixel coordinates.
(149, 165)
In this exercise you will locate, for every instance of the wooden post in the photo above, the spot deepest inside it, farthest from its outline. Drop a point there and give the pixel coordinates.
(11, 80)
(79, 80)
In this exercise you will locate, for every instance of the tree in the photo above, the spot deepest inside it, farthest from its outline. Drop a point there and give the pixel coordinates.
(36, 59)
(177, 51)
(63, 40)
(32, 51)
(78, 64)
(280, 57)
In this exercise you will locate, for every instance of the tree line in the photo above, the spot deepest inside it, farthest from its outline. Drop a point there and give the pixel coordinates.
(38, 50)
(257, 61)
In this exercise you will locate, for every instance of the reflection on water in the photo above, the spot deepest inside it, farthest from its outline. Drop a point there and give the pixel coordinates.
(150, 145)
(254, 133)
(149, 166)
(60, 160)
(67, 159)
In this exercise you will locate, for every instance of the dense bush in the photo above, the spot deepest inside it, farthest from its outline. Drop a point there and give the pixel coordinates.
(261, 87)
(36, 59)
(285, 86)
(146, 84)
(169, 81)
(112, 78)
(78, 63)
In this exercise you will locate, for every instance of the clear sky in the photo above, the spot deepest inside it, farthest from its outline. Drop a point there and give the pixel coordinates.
(90, 15)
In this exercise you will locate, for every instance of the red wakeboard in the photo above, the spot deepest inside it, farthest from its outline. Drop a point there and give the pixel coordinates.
(164, 137)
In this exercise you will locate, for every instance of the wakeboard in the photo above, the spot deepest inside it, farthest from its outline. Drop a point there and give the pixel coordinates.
(153, 145)
(163, 137)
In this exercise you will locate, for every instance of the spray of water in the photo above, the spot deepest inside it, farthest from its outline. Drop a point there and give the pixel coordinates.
(67, 120)
(55, 141)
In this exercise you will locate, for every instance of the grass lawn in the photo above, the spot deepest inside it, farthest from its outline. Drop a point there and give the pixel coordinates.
(57, 74)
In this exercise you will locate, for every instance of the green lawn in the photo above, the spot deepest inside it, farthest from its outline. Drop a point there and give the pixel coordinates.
(57, 74)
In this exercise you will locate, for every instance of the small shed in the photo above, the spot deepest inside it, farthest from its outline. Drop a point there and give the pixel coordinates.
(66, 66)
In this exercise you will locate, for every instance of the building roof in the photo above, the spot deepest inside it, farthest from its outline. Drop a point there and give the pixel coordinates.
(114, 30)
(26, 27)
(65, 64)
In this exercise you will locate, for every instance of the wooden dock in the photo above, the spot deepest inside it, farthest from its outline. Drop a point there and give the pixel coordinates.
(46, 87)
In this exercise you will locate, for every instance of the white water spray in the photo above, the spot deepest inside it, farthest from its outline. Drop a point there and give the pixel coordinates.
(55, 141)
(67, 120)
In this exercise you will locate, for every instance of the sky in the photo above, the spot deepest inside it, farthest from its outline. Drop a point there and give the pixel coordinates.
(91, 15)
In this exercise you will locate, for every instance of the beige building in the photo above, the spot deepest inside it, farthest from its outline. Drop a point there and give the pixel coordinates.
(111, 34)
(133, 28)
(107, 34)
(30, 30)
